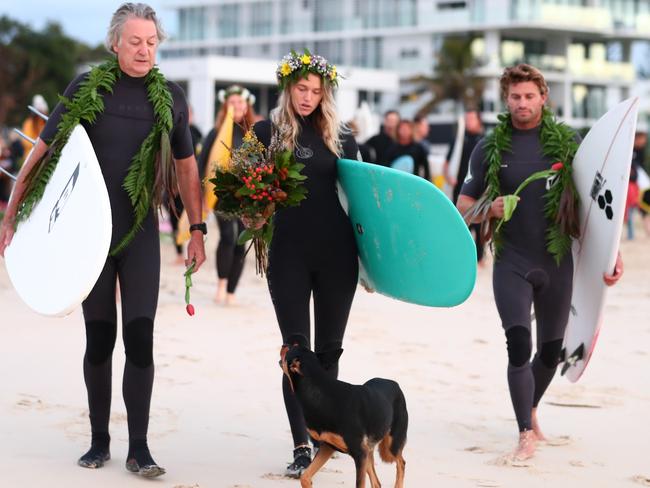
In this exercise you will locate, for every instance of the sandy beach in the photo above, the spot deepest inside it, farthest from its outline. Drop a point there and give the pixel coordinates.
(217, 417)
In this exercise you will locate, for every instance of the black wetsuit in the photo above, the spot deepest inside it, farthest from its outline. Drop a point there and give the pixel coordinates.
(525, 274)
(195, 133)
(380, 144)
(469, 143)
(313, 252)
(417, 152)
(230, 256)
(116, 136)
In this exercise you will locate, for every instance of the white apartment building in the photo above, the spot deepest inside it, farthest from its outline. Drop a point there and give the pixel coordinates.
(582, 46)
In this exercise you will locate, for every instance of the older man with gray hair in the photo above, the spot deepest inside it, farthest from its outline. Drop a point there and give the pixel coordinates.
(138, 125)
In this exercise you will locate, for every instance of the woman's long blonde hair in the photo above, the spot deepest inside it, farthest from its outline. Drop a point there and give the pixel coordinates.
(326, 118)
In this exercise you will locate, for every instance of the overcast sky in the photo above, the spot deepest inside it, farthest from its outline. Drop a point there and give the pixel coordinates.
(86, 20)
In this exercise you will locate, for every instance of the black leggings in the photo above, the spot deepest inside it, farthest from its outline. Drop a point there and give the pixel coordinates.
(178, 203)
(519, 284)
(138, 269)
(230, 256)
(292, 280)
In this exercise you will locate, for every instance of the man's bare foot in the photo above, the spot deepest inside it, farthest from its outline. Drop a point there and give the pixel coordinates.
(180, 259)
(536, 428)
(231, 301)
(526, 447)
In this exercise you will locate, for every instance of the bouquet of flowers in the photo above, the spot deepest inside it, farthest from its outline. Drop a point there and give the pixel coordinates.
(258, 182)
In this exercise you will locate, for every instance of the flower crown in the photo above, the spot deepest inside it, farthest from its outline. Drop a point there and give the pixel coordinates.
(295, 66)
(222, 95)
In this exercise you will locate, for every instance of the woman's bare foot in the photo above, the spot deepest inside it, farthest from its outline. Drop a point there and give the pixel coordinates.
(221, 291)
(180, 259)
(536, 429)
(526, 447)
(230, 300)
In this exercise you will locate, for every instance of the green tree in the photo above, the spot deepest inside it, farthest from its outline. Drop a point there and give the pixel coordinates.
(42, 62)
(455, 77)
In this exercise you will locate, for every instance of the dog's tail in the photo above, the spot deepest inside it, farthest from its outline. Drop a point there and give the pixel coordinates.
(391, 446)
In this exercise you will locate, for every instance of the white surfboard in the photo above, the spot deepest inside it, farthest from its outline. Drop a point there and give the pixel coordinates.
(456, 154)
(58, 253)
(601, 170)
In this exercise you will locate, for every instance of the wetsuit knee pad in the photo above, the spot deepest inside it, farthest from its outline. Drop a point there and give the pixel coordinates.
(519, 345)
(100, 341)
(138, 342)
(550, 354)
(298, 339)
(330, 355)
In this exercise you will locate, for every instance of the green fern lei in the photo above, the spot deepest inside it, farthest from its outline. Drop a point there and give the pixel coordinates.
(559, 144)
(86, 104)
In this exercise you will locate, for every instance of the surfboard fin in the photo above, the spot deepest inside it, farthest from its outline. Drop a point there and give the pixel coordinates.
(577, 355)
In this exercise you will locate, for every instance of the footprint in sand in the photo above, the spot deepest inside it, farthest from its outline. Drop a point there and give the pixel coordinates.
(563, 440)
(641, 479)
(487, 484)
(274, 476)
(476, 450)
(576, 464)
(509, 460)
(196, 485)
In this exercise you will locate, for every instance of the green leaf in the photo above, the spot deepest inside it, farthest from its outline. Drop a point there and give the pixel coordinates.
(246, 235)
(509, 206)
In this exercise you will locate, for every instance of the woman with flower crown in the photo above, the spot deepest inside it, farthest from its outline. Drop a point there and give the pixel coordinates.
(313, 251)
(234, 119)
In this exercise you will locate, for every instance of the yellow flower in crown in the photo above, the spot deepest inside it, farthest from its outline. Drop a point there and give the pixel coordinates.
(305, 58)
(285, 69)
(333, 73)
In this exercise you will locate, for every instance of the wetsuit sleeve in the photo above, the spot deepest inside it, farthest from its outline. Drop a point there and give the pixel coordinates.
(423, 161)
(180, 137)
(49, 131)
(262, 130)
(205, 151)
(350, 148)
(474, 183)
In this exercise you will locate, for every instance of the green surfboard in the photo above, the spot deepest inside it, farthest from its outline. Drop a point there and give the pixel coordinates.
(413, 244)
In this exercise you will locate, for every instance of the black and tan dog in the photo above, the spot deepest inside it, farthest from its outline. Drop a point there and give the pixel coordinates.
(347, 418)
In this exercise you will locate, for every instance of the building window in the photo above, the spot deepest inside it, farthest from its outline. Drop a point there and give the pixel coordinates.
(228, 21)
(328, 15)
(409, 53)
(451, 5)
(261, 15)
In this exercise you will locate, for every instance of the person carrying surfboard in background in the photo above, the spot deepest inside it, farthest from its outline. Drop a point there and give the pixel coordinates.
(230, 256)
(407, 146)
(473, 133)
(533, 262)
(313, 251)
(129, 134)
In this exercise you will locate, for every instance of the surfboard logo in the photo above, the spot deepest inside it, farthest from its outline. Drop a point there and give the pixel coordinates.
(605, 203)
(63, 198)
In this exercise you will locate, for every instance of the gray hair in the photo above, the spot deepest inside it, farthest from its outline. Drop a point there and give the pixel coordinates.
(124, 13)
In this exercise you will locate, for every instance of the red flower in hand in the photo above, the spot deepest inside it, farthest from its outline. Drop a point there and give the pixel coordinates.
(557, 166)
(190, 309)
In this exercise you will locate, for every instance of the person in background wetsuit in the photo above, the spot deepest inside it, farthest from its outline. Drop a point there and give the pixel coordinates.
(117, 135)
(525, 273)
(406, 146)
(230, 255)
(379, 144)
(313, 251)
